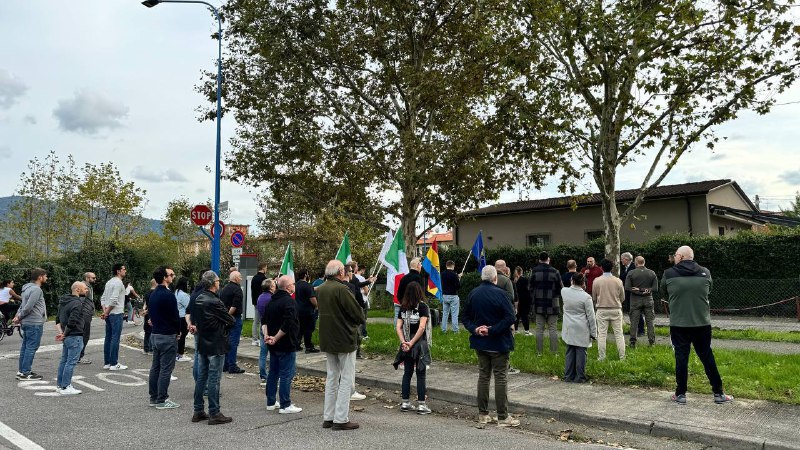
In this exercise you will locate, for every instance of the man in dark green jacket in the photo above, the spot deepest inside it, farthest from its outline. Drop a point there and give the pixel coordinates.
(687, 285)
(339, 319)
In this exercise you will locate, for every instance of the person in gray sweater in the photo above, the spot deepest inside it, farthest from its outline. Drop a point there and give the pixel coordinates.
(578, 328)
(31, 316)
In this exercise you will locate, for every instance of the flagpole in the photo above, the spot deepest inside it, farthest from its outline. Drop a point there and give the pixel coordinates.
(373, 283)
(465, 263)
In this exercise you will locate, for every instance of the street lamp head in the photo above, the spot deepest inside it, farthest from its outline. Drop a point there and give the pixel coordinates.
(151, 3)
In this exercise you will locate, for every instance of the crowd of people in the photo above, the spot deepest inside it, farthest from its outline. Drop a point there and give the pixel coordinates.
(288, 310)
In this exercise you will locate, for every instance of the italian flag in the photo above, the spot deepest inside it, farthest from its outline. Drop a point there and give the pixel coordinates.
(395, 262)
(344, 254)
(287, 268)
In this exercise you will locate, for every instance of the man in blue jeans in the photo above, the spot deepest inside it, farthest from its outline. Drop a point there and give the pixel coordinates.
(163, 310)
(212, 323)
(70, 323)
(282, 327)
(451, 283)
(113, 303)
(31, 316)
(233, 298)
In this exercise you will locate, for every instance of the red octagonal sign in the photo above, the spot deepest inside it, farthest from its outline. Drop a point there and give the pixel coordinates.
(201, 215)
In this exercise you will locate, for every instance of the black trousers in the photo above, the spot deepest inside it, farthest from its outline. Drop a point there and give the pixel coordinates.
(683, 338)
(184, 333)
(87, 330)
(308, 323)
(523, 315)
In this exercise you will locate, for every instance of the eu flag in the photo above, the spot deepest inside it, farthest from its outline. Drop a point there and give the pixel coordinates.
(478, 252)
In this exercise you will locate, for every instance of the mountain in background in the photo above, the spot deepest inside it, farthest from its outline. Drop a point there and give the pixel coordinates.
(7, 202)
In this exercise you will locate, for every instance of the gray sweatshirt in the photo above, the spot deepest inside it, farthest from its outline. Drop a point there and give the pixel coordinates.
(32, 311)
(114, 295)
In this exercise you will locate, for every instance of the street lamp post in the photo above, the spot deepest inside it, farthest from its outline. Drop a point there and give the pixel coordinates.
(215, 241)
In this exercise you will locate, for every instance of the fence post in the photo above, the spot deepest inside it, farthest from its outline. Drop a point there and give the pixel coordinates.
(797, 301)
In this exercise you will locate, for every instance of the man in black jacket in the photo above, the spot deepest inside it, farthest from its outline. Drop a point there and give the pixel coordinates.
(233, 297)
(213, 323)
(255, 291)
(162, 307)
(545, 288)
(70, 323)
(412, 276)
(282, 330)
(306, 299)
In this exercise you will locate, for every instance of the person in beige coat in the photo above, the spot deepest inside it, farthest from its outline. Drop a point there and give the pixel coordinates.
(608, 293)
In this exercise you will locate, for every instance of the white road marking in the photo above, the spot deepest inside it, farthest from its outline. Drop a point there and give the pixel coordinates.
(17, 439)
(35, 385)
(78, 380)
(109, 378)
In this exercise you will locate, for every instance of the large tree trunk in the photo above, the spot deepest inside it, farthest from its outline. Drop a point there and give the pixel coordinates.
(611, 225)
(408, 220)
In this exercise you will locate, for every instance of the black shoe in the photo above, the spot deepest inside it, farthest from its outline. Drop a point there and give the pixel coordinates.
(327, 424)
(312, 350)
(633, 344)
(345, 426)
(236, 370)
(360, 356)
(199, 416)
(218, 419)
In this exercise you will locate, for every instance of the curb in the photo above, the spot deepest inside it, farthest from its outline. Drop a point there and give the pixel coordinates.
(715, 438)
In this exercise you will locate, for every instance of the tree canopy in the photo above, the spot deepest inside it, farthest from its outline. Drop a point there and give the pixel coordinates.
(387, 106)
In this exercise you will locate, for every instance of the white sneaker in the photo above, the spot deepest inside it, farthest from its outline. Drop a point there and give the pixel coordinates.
(291, 409)
(255, 343)
(118, 367)
(173, 378)
(69, 390)
(508, 422)
(423, 409)
(107, 366)
(357, 396)
(183, 358)
(277, 405)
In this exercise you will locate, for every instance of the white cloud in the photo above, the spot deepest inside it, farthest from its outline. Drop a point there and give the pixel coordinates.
(29, 119)
(89, 112)
(155, 176)
(11, 89)
(791, 177)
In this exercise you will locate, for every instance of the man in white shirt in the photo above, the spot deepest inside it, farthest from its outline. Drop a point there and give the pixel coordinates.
(113, 303)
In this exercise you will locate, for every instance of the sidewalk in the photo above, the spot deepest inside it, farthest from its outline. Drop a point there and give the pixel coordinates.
(746, 424)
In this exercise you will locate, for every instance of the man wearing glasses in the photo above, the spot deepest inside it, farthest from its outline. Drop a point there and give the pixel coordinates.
(163, 309)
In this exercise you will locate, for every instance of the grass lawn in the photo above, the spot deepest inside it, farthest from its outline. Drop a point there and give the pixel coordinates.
(741, 335)
(747, 374)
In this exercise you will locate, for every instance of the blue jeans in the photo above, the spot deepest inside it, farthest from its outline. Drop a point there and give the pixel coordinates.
(69, 358)
(263, 357)
(209, 371)
(111, 344)
(236, 334)
(450, 306)
(31, 338)
(281, 365)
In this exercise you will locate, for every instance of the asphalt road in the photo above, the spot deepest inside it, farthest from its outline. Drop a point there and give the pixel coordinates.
(113, 413)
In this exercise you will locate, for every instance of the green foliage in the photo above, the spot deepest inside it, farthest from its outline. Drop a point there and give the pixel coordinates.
(794, 207)
(748, 374)
(373, 106)
(618, 83)
(63, 208)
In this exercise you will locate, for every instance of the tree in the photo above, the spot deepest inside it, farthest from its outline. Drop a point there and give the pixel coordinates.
(794, 207)
(644, 82)
(383, 106)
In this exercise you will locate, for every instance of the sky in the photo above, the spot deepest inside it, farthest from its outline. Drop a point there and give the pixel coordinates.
(111, 80)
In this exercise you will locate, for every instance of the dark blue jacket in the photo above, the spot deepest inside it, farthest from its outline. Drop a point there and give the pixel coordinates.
(450, 282)
(489, 305)
(163, 310)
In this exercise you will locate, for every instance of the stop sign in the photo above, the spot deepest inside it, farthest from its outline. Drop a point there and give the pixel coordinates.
(201, 215)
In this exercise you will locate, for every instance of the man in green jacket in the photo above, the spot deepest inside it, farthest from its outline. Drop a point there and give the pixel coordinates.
(687, 285)
(339, 319)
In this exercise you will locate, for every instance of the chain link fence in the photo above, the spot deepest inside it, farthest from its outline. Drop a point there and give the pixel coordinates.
(774, 298)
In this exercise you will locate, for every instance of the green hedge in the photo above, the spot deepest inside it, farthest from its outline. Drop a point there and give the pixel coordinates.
(747, 255)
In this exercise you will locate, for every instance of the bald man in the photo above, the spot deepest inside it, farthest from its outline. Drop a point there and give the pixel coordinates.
(281, 329)
(70, 323)
(232, 297)
(686, 285)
